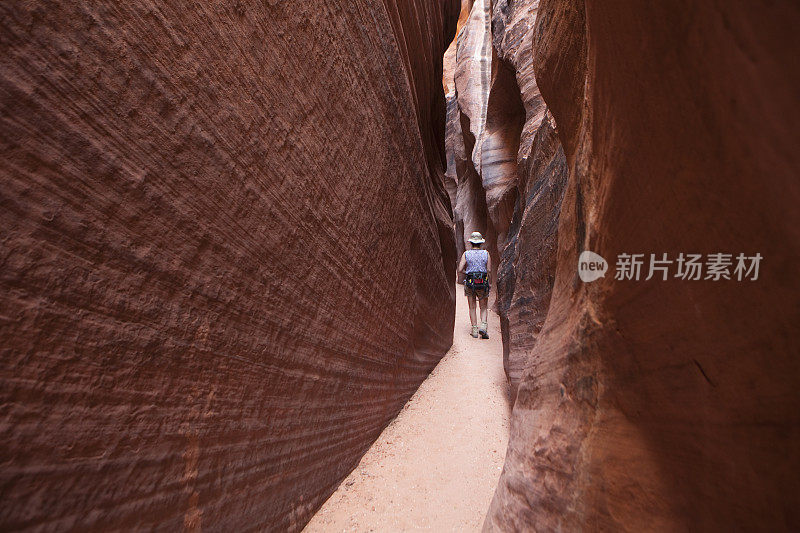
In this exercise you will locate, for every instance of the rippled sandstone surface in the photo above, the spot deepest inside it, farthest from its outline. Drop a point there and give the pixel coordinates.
(227, 253)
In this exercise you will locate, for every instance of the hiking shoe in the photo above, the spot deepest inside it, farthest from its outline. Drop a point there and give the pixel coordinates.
(483, 330)
(474, 331)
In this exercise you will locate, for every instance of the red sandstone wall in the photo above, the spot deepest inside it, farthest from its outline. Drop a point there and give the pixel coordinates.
(227, 254)
(527, 270)
(666, 405)
(526, 188)
(513, 185)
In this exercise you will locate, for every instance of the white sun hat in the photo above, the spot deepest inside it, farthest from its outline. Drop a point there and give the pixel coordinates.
(476, 238)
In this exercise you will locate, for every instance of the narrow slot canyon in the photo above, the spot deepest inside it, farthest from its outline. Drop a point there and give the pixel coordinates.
(229, 297)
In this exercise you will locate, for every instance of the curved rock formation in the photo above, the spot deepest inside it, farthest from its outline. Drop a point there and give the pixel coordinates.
(512, 186)
(666, 405)
(472, 78)
(473, 74)
(227, 253)
(449, 60)
(512, 38)
(505, 117)
(514, 112)
(527, 270)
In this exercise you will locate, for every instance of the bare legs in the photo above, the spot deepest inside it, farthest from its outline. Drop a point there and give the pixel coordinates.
(484, 310)
(473, 319)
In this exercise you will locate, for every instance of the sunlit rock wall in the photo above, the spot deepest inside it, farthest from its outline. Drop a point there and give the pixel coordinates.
(473, 73)
(227, 254)
(472, 79)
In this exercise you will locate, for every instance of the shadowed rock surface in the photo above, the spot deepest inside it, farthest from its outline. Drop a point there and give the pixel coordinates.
(456, 158)
(205, 214)
(666, 405)
(512, 37)
(528, 184)
(456, 166)
(527, 270)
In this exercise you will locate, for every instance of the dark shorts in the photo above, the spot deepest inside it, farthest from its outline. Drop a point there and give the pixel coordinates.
(480, 292)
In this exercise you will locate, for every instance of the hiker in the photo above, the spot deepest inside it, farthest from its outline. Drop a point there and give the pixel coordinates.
(476, 265)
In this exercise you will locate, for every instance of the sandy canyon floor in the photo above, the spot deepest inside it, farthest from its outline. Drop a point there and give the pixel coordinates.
(435, 467)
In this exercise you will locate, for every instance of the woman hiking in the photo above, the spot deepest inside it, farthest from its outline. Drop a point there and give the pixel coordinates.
(476, 265)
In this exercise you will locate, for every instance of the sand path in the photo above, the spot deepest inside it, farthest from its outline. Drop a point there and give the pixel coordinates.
(435, 467)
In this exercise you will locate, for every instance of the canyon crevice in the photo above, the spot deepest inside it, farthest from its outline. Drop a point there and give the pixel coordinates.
(506, 158)
(227, 253)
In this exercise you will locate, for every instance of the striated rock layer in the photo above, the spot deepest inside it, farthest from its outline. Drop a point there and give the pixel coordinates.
(472, 79)
(666, 405)
(227, 253)
(514, 111)
(527, 270)
(528, 181)
(512, 186)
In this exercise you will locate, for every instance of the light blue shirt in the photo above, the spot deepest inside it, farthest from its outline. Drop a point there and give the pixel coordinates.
(477, 260)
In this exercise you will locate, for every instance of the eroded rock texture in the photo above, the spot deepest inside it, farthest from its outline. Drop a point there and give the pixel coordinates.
(512, 186)
(512, 36)
(526, 273)
(666, 405)
(472, 76)
(529, 183)
(207, 212)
